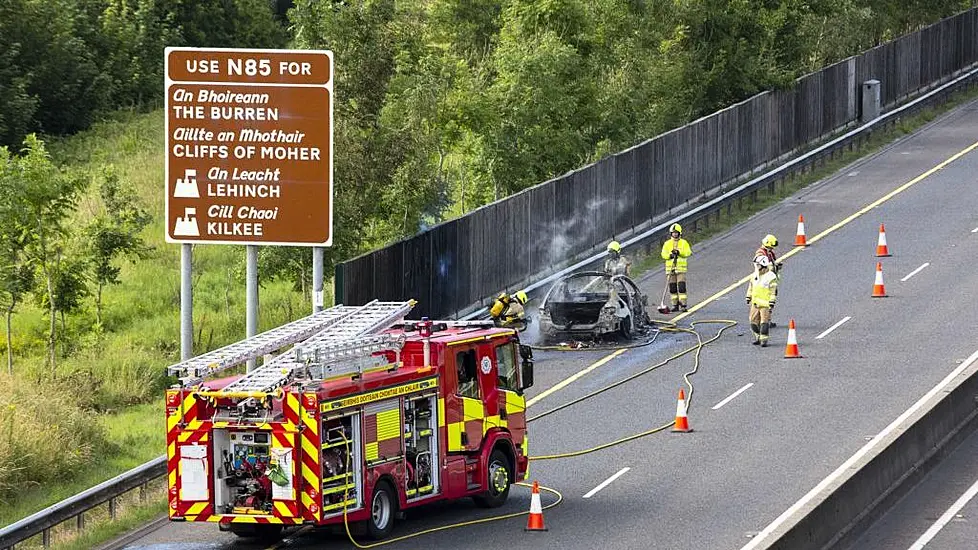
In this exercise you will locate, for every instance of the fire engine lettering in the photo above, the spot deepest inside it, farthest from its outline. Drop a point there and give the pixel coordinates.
(378, 395)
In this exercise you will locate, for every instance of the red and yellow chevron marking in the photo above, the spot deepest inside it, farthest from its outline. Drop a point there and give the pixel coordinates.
(311, 481)
(290, 409)
(241, 518)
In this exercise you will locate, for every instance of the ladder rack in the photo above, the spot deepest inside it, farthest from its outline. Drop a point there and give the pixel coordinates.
(343, 341)
(195, 369)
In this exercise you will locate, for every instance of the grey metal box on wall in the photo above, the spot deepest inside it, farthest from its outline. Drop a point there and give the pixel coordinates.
(871, 101)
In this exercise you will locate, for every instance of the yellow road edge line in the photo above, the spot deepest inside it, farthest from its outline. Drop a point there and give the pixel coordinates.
(837, 226)
(569, 380)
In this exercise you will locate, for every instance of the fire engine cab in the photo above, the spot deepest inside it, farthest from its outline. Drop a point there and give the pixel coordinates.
(365, 416)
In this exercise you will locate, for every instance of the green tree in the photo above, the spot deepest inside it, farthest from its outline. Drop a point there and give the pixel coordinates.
(114, 233)
(48, 197)
(16, 273)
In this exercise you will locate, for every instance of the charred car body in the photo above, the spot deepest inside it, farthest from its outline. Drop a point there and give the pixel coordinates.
(593, 304)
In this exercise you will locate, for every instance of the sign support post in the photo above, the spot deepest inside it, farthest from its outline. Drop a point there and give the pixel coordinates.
(186, 303)
(249, 161)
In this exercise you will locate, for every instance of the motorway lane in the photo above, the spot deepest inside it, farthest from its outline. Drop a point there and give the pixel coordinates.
(754, 457)
(905, 525)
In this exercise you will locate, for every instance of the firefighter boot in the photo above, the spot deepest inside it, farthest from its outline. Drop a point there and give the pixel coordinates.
(765, 329)
(756, 331)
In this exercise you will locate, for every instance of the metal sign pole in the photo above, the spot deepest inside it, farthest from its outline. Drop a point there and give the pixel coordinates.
(186, 303)
(251, 300)
(317, 278)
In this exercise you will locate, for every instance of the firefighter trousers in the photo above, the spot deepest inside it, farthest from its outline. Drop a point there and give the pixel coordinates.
(677, 287)
(760, 322)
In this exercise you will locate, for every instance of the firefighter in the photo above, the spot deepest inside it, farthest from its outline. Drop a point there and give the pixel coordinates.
(762, 293)
(617, 263)
(674, 252)
(768, 244)
(508, 311)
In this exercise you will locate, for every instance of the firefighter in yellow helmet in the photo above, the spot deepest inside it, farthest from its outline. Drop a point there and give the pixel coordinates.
(674, 252)
(508, 311)
(768, 244)
(762, 293)
(616, 263)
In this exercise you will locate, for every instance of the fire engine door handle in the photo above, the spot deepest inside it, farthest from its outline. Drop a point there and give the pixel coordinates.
(465, 439)
(502, 413)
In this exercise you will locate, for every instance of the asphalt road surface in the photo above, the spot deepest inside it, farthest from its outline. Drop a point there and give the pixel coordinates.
(792, 421)
(940, 513)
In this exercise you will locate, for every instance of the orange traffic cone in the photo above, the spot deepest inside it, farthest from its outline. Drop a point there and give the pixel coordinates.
(878, 290)
(682, 423)
(791, 348)
(881, 250)
(800, 236)
(535, 521)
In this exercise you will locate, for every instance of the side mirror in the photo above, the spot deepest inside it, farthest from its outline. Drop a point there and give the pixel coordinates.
(526, 372)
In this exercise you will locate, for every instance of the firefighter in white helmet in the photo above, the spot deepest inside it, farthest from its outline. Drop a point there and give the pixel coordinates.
(616, 263)
(768, 244)
(508, 311)
(762, 293)
(674, 252)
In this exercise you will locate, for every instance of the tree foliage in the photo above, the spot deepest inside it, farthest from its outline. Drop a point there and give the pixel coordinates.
(63, 62)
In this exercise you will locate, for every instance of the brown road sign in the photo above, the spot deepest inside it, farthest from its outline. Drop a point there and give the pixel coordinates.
(249, 141)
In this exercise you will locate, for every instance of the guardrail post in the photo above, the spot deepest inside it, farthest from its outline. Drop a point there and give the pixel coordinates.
(45, 538)
(142, 492)
(112, 509)
(80, 521)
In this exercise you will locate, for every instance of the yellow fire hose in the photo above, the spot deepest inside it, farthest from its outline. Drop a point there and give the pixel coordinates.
(671, 327)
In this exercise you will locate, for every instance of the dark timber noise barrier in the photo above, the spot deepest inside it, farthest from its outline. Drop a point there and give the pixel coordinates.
(457, 266)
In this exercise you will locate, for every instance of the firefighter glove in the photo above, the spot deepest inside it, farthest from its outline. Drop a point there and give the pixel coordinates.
(675, 254)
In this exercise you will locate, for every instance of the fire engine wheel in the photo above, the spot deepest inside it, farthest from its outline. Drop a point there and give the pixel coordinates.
(497, 475)
(383, 507)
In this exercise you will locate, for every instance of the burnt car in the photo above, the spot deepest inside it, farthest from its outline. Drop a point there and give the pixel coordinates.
(593, 304)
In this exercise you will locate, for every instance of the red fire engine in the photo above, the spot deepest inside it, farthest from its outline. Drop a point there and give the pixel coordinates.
(366, 415)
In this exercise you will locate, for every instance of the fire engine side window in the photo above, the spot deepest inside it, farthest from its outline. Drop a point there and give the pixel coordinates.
(468, 380)
(506, 364)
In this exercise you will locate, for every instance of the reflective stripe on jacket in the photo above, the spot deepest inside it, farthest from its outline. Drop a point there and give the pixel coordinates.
(763, 289)
(684, 252)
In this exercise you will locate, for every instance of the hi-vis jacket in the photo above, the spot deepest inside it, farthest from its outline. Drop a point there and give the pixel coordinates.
(682, 245)
(763, 289)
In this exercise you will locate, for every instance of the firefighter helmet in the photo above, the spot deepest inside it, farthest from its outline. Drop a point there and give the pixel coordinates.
(613, 246)
(770, 241)
(521, 297)
(676, 228)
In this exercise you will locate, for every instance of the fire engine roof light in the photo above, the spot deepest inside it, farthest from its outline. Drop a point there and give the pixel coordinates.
(424, 327)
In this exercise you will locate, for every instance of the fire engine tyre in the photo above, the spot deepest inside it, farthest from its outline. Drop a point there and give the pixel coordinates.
(267, 533)
(383, 507)
(498, 476)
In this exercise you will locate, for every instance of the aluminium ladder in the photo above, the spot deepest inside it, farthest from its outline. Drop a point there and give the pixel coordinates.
(195, 369)
(340, 341)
